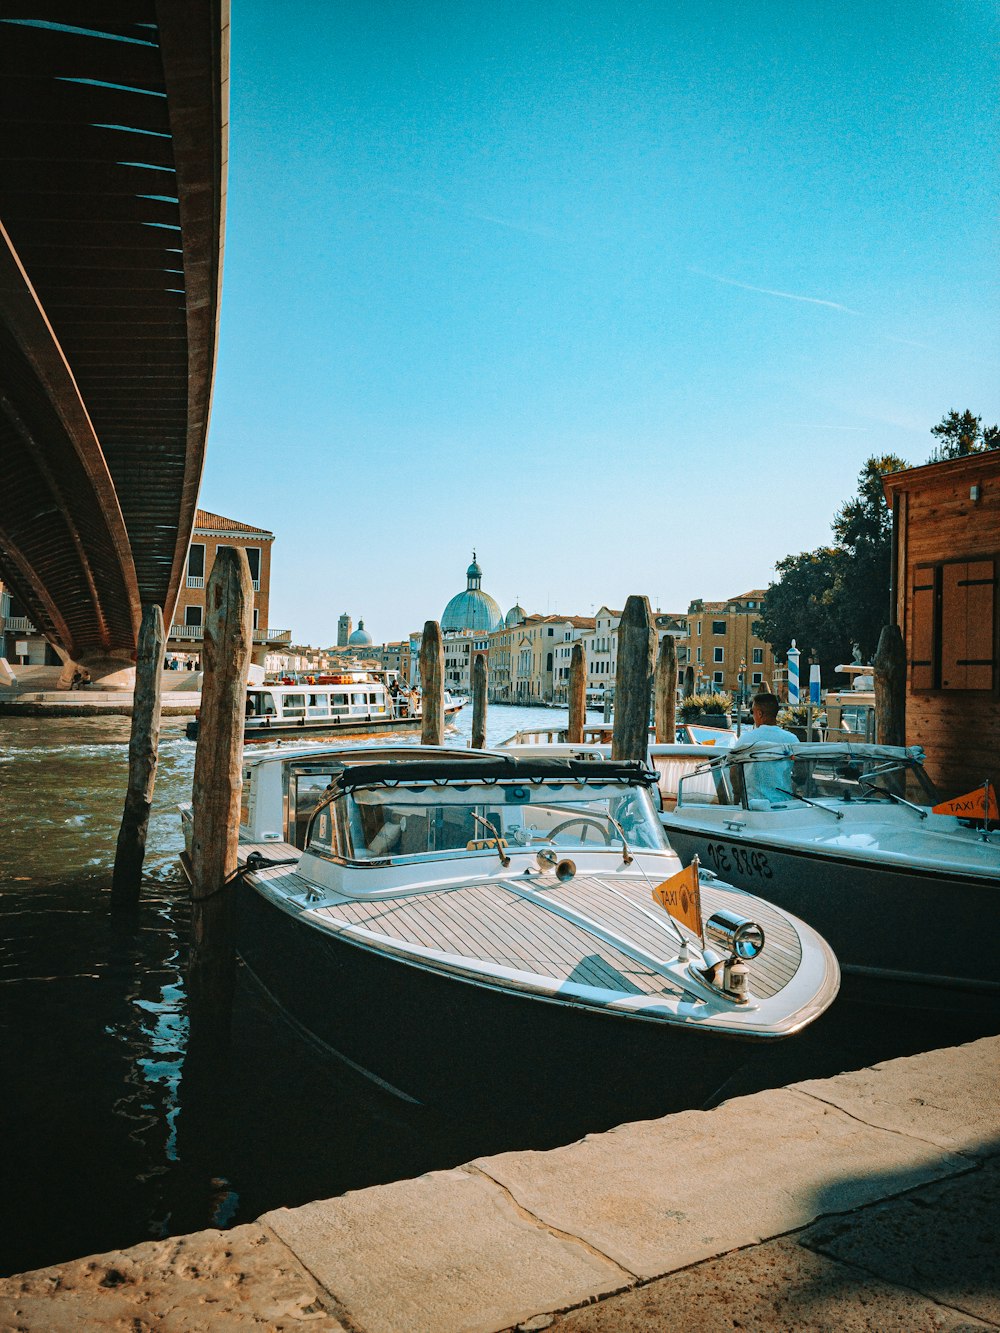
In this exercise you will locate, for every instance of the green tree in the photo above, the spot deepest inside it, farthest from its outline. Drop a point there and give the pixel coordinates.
(863, 531)
(837, 596)
(805, 604)
(960, 433)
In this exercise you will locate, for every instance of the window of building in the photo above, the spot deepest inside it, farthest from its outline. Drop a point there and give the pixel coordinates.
(699, 652)
(717, 678)
(758, 656)
(718, 654)
(699, 628)
(192, 615)
(953, 633)
(256, 618)
(196, 564)
(718, 627)
(757, 678)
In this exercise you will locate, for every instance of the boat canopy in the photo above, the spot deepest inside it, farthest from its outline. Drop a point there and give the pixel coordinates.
(493, 769)
(823, 750)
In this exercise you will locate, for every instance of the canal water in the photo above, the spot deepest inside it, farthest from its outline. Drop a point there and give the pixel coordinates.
(110, 1135)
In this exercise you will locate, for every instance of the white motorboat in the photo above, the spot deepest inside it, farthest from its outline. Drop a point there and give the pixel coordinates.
(482, 926)
(353, 703)
(846, 836)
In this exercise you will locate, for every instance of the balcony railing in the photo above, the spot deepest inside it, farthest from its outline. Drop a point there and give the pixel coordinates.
(198, 581)
(196, 633)
(19, 623)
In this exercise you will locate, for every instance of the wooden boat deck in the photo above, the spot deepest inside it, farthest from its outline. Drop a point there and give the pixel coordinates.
(494, 921)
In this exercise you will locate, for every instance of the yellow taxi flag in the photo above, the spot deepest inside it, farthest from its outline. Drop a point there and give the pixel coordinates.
(973, 805)
(680, 896)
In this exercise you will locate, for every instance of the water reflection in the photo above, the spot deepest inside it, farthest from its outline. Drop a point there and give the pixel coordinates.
(114, 1130)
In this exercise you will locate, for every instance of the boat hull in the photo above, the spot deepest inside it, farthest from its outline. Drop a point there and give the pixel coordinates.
(898, 923)
(457, 1044)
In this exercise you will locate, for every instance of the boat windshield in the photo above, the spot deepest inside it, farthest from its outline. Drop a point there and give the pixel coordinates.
(777, 779)
(400, 821)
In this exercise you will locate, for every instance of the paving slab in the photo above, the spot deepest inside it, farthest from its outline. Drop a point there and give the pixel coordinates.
(242, 1279)
(945, 1097)
(775, 1286)
(448, 1251)
(942, 1241)
(661, 1194)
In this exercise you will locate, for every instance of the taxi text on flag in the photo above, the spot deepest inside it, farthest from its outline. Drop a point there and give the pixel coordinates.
(973, 805)
(680, 896)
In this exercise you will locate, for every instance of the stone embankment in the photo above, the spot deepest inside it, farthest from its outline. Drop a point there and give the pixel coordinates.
(35, 694)
(863, 1202)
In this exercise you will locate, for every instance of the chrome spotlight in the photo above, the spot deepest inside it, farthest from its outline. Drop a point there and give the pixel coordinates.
(735, 935)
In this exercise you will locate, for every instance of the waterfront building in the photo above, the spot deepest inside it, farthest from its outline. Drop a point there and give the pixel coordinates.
(460, 648)
(946, 542)
(211, 533)
(472, 609)
(21, 642)
(721, 643)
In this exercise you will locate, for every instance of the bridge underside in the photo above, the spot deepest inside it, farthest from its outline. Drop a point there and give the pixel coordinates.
(113, 132)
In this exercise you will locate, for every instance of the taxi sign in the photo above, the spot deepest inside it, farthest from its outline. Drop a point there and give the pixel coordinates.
(978, 804)
(680, 897)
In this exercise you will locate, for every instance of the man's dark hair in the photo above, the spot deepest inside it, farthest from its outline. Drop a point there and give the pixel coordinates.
(767, 703)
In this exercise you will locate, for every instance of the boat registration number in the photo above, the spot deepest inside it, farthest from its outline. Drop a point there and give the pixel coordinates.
(727, 859)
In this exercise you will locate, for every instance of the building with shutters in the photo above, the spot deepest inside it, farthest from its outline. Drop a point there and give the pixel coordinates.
(946, 546)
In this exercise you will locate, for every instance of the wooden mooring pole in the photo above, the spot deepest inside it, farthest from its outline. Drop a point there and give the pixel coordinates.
(218, 767)
(577, 695)
(479, 701)
(633, 680)
(143, 748)
(665, 691)
(890, 687)
(432, 685)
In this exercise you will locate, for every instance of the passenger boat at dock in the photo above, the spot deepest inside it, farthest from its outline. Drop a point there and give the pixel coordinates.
(350, 704)
(847, 836)
(473, 928)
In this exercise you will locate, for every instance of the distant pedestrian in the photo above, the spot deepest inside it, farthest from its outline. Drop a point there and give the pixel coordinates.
(77, 680)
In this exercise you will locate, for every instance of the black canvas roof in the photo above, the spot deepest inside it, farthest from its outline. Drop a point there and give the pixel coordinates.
(492, 768)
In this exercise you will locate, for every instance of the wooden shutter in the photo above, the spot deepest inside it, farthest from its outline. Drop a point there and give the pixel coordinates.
(968, 636)
(922, 631)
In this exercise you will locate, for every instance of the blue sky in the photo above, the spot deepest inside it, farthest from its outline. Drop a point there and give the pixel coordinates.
(622, 296)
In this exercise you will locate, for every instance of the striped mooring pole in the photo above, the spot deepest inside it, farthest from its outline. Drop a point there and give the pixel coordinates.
(793, 674)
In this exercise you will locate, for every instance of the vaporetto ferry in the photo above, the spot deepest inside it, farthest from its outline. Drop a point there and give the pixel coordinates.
(352, 703)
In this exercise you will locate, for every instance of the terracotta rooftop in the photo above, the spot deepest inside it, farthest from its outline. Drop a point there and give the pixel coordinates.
(217, 523)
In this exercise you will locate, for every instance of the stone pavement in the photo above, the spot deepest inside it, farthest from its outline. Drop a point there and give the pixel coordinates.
(866, 1201)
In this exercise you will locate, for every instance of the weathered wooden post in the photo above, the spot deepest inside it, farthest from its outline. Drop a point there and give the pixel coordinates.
(143, 748)
(218, 767)
(479, 701)
(577, 694)
(688, 681)
(633, 680)
(432, 685)
(890, 687)
(665, 691)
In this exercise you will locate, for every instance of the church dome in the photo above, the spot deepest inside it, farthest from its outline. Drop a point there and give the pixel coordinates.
(515, 616)
(472, 609)
(360, 638)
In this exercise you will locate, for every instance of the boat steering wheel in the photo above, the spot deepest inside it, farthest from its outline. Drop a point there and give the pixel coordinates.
(586, 821)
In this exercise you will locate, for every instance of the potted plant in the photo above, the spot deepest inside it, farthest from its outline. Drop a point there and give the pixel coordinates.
(706, 710)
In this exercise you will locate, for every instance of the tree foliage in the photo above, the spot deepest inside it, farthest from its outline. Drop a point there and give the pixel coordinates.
(837, 596)
(960, 433)
(804, 604)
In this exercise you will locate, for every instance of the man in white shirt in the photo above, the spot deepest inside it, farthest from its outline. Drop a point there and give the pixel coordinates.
(769, 780)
